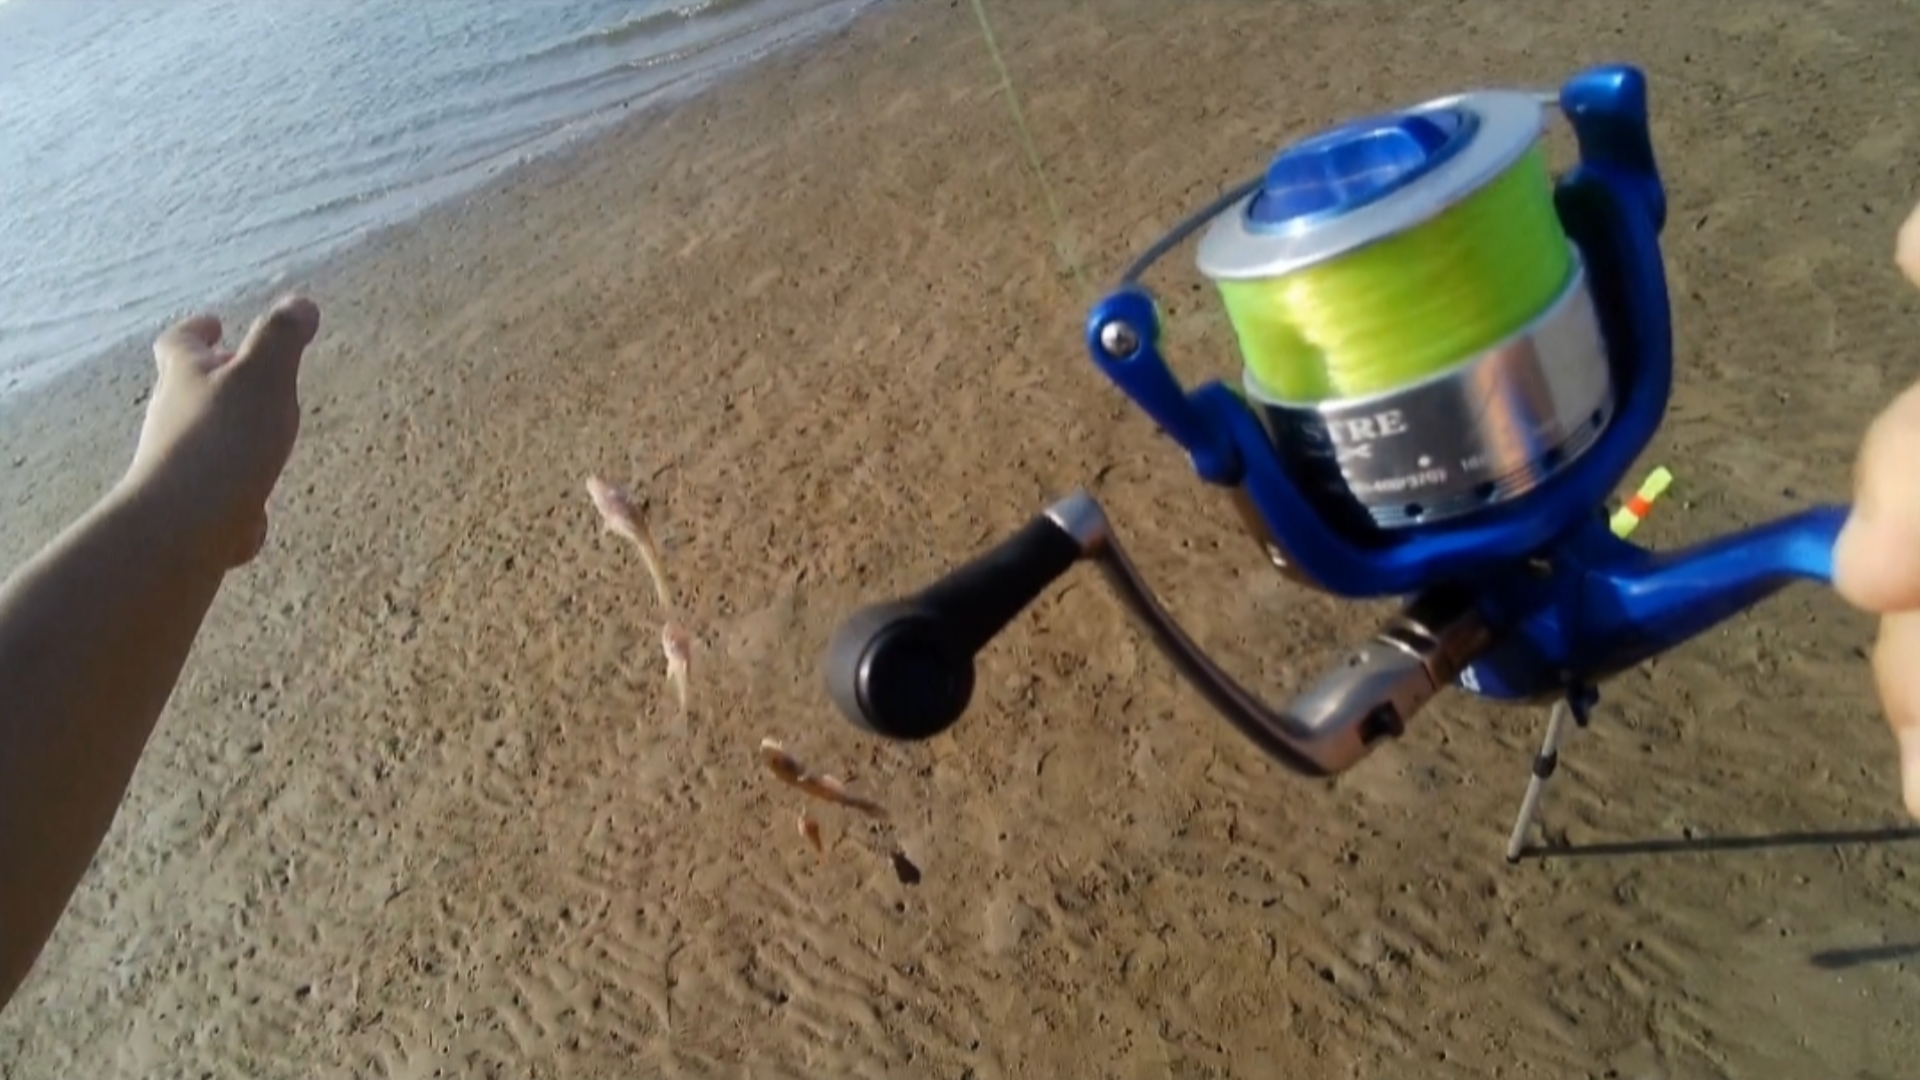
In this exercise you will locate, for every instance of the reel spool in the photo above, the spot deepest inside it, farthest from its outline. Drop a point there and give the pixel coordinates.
(1449, 362)
(1417, 333)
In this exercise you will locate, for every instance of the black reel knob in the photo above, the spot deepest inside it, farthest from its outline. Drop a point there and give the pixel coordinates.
(894, 670)
(904, 669)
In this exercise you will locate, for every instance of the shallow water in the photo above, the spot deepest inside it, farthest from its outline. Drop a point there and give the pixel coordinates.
(157, 153)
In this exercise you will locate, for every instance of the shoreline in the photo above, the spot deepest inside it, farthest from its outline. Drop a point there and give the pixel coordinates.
(333, 257)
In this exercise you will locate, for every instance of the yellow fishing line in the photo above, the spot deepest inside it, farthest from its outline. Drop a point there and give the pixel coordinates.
(1062, 235)
(1408, 305)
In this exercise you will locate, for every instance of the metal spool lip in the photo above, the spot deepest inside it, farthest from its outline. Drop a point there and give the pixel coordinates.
(1506, 124)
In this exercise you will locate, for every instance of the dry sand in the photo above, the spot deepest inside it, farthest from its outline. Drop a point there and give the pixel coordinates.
(422, 806)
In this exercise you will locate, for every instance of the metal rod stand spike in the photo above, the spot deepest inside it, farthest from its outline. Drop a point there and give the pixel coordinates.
(1574, 707)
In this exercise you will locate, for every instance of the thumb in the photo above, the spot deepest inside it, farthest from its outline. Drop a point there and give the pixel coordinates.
(188, 348)
(1876, 561)
(1906, 247)
(1896, 668)
(271, 353)
(1877, 558)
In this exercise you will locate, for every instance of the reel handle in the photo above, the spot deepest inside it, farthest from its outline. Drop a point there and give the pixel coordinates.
(904, 669)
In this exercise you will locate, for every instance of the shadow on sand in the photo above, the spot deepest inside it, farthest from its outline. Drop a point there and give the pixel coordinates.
(1827, 959)
(1704, 845)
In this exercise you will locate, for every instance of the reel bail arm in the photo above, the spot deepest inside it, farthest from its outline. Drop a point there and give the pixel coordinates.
(1123, 333)
(905, 669)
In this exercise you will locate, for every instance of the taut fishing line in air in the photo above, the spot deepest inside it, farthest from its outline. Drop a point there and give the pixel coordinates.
(1063, 234)
(1389, 313)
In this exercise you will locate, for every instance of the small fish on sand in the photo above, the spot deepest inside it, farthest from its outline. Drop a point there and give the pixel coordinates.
(810, 829)
(677, 644)
(820, 786)
(624, 517)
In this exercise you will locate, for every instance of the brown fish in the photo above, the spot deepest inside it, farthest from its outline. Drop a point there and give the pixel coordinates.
(810, 829)
(826, 788)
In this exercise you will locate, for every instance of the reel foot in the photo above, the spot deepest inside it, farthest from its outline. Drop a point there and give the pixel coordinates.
(1576, 707)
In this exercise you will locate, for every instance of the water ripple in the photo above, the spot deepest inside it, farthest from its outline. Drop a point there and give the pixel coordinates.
(166, 150)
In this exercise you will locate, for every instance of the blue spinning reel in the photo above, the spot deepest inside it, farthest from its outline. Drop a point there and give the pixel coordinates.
(1479, 492)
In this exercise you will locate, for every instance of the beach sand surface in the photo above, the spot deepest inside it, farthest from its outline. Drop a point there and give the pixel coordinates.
(422, 806)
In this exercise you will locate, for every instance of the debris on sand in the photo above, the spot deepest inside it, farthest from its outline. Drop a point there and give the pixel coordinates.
(903, 868)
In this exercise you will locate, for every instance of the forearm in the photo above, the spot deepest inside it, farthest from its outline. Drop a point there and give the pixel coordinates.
(93, 632)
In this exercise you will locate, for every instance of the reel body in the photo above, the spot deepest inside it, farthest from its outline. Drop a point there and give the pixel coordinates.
(1476, 486)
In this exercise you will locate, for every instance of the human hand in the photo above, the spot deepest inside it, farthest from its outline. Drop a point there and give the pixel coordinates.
(1876, 564)
(221, 425)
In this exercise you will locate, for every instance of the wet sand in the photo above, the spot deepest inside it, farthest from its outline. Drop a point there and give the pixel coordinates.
(423, 806)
